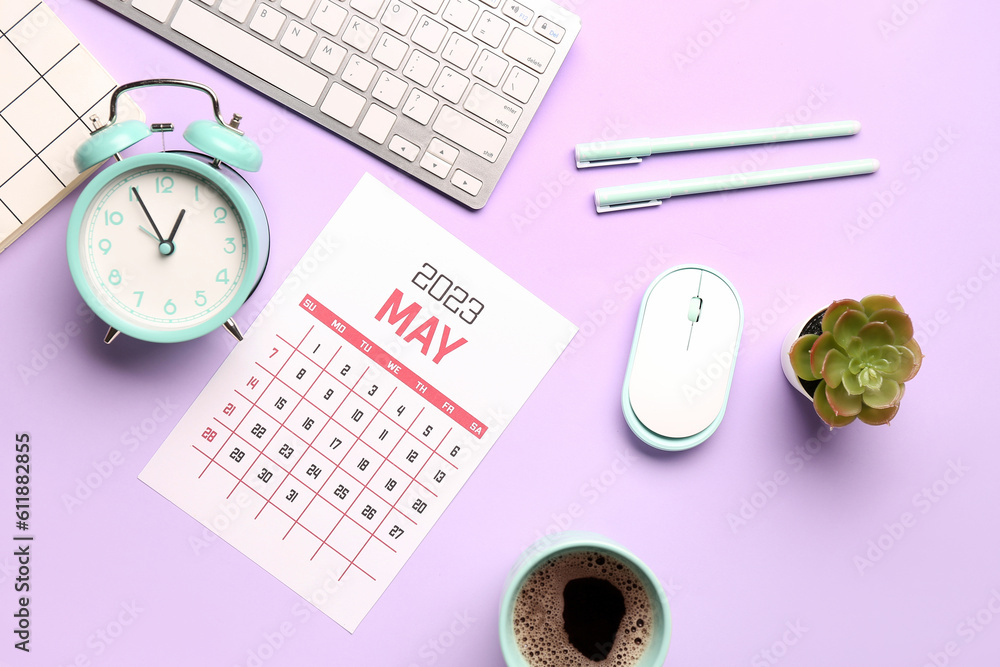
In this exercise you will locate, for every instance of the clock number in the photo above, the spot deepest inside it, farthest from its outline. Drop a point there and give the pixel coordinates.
(115, 278)
(220, 215)
(421, 273)
(230, 245)
(138, 301)
(196, 193)
(222, 276)
(104, 245)
(458, 302)
(165, 185)
(440, 278)
(113, 218)
(199, 298)
(474, 313)
(170, 307)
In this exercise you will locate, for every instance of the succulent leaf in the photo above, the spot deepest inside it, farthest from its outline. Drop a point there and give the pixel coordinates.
(817, 355)
(848, 325)
(834, 366)
(876, 334)
(899, 322)
(877, 416)
(852, 384)
(918, 356)
(838, 308)
(799, 356)
(844, 404)
(888, 393)
(875, 302)
(826, 411)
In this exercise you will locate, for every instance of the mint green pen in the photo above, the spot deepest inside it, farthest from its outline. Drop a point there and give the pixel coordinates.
(626, 151)
(652, 194)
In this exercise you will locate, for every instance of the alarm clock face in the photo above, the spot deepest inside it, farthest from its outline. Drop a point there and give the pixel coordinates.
(163, 250)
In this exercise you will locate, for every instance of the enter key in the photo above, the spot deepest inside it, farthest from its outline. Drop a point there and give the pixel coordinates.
(494, 109)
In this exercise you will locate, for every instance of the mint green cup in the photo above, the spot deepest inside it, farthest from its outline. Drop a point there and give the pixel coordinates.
(572, 541)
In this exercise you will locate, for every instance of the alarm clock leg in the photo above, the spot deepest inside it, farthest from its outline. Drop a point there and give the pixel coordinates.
(233, 329)
(111, 335)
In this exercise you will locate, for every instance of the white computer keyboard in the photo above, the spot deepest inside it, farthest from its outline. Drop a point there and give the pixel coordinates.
(442, 89)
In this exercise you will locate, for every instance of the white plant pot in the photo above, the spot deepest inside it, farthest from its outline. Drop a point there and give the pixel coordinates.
(786, 346)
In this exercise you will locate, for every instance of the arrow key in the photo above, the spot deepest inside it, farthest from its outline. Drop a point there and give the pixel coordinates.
(403, 148)
(443, 151)
(466, 182)
(435, 165)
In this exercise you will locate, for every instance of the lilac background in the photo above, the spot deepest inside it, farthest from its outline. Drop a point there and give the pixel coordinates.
(924, 88)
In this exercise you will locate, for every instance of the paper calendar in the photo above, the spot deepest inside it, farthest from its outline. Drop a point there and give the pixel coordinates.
(362, 399)
(50, 85)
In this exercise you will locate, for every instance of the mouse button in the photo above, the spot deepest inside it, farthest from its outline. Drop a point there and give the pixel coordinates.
(720, 309)
(694, 308)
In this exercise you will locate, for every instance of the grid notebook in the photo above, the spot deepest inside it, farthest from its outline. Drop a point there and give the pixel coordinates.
(50, 86)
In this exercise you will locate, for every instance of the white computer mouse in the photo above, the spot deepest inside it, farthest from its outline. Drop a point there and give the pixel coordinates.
(683, 356)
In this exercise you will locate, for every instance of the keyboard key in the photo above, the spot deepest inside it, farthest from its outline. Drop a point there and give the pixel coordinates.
(267, 21)
(549, 30)
(298, 7)
(389, 89)
(367, 7)
(447, 153)
(490, 67)
(429, 34)
(328, 55)
(492, 108)
(343, 105)
(419, 106)
(469, 134)
(435, 165)
(403, 148)
(468, 183)
(450, 85)
(517, 11)
(237, 9)
(520, 84)
(459, 51)
(491, 29)
(460, 13)
(360, 34)
(329, 17)
(377, 123)
(359, 72)
(157, 9)
(398, 17)
(298, 38)
(526, 49)
(248, 52)
(420, 67)
(390, 51)
(492, 3)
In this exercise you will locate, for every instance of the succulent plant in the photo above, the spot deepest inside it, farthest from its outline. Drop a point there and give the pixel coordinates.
(865, 353)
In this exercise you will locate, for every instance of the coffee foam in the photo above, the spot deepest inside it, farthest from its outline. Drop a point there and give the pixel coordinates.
(539, 628)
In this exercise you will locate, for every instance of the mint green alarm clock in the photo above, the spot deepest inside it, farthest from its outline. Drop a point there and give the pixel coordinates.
(165, 247)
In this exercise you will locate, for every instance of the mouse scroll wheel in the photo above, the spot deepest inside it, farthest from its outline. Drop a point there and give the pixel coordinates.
(694, 308)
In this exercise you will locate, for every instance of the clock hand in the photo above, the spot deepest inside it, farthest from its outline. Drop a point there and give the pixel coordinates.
(159, 236)
(177, 224)
(151, 235)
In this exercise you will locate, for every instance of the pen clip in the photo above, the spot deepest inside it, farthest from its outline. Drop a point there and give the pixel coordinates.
(583, 164)
(621, 207)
